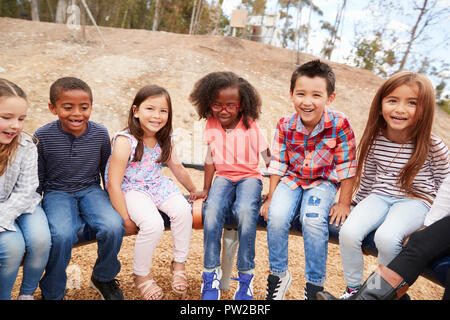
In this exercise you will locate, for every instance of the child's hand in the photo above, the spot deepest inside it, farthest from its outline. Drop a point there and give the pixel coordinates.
(130, 227)
(339, 213)
(264, 197)
(194, 195)
(265, 207)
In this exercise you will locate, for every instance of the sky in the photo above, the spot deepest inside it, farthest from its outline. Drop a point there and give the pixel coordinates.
(356, 13)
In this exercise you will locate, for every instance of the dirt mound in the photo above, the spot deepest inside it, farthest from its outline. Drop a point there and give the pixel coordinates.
(35, 54)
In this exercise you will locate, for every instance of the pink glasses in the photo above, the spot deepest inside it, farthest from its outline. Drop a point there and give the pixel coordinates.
(219, 108)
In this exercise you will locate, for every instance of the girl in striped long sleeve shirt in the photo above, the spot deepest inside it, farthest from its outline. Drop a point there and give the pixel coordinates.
(401, 165)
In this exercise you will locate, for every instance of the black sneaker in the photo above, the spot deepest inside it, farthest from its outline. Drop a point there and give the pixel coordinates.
(311, 291)
(108, 290)
(277, 287)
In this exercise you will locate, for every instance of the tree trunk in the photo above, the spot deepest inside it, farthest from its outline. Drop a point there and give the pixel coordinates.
(61, 10)
(83, 23)
(35, 10)
(330, 45)
(413, 35)
(297, 29)
(156, 17)
(193, 17)
(286, 25)
(308, 28)
(50, 10)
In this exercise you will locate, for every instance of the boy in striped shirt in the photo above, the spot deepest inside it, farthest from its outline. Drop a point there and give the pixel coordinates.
(72, 155)
(314, 153)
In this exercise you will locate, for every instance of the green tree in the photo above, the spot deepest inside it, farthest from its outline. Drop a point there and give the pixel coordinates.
(371, 55)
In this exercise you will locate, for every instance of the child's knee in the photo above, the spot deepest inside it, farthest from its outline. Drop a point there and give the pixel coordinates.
(213, 211)
(40, 243)
(388, 242)
(14, 249)
(350, 236)
(63, 236)
(182, 210)
(153, 227)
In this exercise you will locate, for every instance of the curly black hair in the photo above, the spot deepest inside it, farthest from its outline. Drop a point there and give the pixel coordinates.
(207, 88)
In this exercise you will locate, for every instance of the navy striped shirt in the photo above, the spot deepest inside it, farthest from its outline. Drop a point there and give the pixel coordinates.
(68, 163)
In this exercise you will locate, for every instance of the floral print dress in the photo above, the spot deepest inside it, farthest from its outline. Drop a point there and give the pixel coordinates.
(146, 175)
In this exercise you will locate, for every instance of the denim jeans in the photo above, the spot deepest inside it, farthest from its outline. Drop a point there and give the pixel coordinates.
(312, 207)
(240, 200)
(33, 237)
(394, 218)
(65, 213)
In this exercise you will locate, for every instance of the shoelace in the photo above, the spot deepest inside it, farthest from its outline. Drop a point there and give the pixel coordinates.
(208, 281)
(348, 293)
(273, 285)
(243, 284)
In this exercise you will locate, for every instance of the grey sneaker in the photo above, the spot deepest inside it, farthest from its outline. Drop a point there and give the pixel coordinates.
(108, 290)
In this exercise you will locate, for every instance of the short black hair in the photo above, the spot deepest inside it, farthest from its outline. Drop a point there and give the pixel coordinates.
(66, 84)
(207, 88)
(315, 68)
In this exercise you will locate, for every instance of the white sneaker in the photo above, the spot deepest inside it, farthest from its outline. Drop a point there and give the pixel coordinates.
(25, 297)
(277, 287)
(348, 293)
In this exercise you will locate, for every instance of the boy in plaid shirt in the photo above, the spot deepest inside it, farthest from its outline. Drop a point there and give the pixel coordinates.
(314, 153)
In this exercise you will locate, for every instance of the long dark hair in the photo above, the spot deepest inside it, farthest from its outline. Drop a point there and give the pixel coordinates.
(207, 88)
(163, 136)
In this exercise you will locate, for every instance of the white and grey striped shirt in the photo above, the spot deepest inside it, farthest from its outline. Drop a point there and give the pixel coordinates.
(386, 159)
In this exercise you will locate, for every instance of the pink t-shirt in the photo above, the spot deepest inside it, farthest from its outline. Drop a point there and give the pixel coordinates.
(235, 152)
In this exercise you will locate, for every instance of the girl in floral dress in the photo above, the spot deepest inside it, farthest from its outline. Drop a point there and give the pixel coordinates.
(138, 189)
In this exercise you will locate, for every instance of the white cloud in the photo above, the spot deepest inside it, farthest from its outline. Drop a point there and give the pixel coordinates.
(397, 26)
(229, 5)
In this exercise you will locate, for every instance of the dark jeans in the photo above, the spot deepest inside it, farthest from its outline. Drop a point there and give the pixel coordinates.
(423, 247)
(65, 212)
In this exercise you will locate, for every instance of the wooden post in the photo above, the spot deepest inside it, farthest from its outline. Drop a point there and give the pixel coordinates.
(93, 21)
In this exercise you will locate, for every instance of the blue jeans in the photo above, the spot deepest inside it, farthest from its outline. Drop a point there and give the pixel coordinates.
(312, 206)
(394, 218)
(33, 237)
(241, 199)
(65, 214)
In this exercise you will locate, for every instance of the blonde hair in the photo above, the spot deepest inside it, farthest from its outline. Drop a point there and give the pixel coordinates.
(8, 151)
(420, 135)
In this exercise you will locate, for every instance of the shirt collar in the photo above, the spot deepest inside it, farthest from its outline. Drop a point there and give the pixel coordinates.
(71, 135)
(324, 123)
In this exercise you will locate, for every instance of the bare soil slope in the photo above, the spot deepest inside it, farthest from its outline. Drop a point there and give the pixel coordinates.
(35, 54)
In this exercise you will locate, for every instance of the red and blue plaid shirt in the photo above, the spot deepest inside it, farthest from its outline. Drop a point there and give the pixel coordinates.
(327, 154)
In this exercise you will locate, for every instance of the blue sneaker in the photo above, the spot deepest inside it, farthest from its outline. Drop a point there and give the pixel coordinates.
(245, 287)
(211, 284)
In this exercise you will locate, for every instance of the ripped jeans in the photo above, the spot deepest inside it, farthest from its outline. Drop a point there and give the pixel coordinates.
(312, 207)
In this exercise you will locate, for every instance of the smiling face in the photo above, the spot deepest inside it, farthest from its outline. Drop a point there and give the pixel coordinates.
(399, 109)
(228, 117)
(73, 108)
(13, 111)
(153, 114)
(310, 98)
